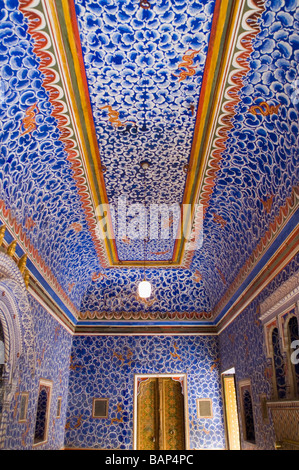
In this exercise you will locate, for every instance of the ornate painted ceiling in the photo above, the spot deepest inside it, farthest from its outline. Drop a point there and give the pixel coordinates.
(206, 92)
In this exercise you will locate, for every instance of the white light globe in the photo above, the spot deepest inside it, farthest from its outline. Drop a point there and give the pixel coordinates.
(144, 289)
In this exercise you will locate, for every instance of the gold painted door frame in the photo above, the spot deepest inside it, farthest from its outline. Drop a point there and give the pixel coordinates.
(231, 412)
(160, 413)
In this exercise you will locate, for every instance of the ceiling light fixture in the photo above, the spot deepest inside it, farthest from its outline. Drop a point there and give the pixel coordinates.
(144, 287)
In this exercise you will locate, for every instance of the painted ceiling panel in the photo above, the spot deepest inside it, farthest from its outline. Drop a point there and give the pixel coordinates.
(139, 59)
(206, 91)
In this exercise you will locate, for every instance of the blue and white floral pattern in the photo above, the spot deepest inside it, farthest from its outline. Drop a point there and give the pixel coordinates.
(132, 56)
(52, 355)
(104, 367)
(242, 346)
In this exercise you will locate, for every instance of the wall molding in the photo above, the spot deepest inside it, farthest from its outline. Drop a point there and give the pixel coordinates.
(284, 296)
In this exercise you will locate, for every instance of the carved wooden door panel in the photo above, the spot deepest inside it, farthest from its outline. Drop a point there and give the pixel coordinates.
(172, 425)
(160, 415)
(147, 416)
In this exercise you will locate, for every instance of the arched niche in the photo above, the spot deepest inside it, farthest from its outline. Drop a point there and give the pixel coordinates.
(16, 322)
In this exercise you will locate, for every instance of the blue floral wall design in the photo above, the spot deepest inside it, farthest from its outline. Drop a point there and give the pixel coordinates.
(52, 353)
(105, 366)
(84, 367)
(242, 346)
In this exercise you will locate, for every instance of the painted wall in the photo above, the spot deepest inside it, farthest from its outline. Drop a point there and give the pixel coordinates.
(242, 346)
(104, 367)
(52, 352)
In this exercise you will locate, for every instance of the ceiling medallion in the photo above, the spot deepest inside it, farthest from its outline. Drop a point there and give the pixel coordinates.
(145, 164)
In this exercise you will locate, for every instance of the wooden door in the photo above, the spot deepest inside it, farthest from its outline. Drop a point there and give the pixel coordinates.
(160, 415)
(147, 416)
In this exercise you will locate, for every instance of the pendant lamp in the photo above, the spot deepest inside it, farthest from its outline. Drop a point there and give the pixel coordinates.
(144, 287)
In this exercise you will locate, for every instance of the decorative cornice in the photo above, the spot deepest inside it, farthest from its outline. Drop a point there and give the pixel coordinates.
(144, 316)
(275, 228)
(287, 293)
(33, 255)
(130, 330)
(283, 255)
